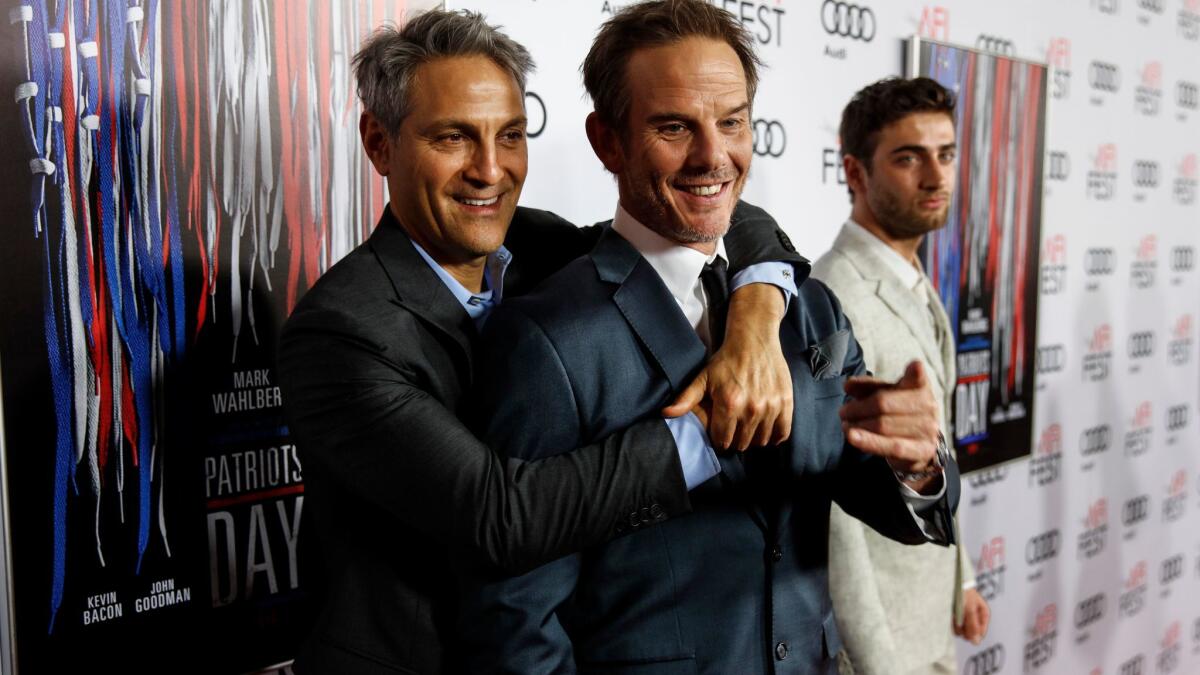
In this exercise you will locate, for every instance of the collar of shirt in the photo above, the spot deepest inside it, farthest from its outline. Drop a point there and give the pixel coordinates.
(679, 266)
(908, 272)
(477, 305)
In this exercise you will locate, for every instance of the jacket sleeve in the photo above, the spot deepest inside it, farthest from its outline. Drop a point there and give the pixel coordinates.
(527, 410)
(861, 617)
(361, 415)
(754, 237)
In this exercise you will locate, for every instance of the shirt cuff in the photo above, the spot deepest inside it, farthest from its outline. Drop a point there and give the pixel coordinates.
(696, 454)
(922, 508)
(779, 274)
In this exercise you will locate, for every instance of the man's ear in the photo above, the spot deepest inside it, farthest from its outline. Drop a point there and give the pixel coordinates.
(376, 142)
(606, 143)
(856, 174)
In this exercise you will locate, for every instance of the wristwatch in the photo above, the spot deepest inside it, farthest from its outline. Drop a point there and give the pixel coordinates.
(939, 465)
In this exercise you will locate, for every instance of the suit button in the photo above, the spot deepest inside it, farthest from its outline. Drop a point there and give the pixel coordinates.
(656, 511)
(634, 520)
(645, 515)
(776, 553)
(781, 651)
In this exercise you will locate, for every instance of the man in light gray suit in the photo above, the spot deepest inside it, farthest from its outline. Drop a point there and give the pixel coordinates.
(898, 150)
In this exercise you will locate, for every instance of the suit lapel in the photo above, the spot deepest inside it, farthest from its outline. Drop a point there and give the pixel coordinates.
(900, 300)
(418, 289)
(654, 317)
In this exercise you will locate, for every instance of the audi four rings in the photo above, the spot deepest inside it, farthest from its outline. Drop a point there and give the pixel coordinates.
(770, 140)
(541, 105)
(1104, 76)
(848, 20)
(991, 43)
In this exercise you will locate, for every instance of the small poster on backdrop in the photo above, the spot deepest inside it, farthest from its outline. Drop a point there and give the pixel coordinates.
(984, 262)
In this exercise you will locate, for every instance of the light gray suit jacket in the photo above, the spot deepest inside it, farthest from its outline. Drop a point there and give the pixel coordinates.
(894, 604)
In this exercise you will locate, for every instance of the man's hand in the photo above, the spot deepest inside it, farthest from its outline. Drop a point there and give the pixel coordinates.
(976, 616)
(744, 393)
(898, 422)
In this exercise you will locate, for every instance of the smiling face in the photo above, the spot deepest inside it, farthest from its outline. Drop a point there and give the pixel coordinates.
(455, 168)
(908, 187)
(683, 156)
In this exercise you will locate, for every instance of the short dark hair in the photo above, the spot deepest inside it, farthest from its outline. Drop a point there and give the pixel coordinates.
(385, 64)
(882, 103)
(655, 24)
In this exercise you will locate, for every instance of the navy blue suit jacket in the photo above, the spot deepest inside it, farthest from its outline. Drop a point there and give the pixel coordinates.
(740, 584)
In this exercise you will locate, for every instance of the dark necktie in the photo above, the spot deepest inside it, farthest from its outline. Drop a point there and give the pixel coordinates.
(716, 290)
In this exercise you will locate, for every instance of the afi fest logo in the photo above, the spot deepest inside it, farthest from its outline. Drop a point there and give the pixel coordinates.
(1186, 181)
(763, 20)
(1133, 592)
(1145, 263)
(1102, 179)
(1175, 500)
(1054, 265)
(1095, 530)
(1105, 79)
(1147, 99)
(1058, 57)
(770, 138)
(935, 23)
(1152, 7)
(1133, 666)
(1179, 349)
(831, 167)
(1089, 612)
(1098, 262)
(1042, 638)
(989, 569)
(1168, 653)
(1138, 436)
(1188, 21)
(995, 45)
(1093, 442)
(1045, 466)
(1040, 549)
(1145, 177)
(1134, 512)
(1097, 361)
(987, 661)
(1139, 346)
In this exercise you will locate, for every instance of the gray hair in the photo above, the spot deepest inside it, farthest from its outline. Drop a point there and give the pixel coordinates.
(385, 65)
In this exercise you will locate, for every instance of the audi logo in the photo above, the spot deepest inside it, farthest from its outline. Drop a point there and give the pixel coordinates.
(1135, 510)
(1060, 165)
(996, 45)
(770, 139)
(1187, 94)
(979, 479)
(1042, 547)
(1177, 417)
(847, 20)
(1095, 439)
(1090, 610)
(1183, 259)
(1141, 344)
(1145, 174)
(536, 114)
(1133, 666)
(1156, 6)
(1170, 569)
(1104, 76)
(1099, 261)
(986, 662)
(1051, 358)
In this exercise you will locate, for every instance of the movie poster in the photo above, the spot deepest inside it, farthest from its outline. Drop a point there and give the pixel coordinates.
(179, 174)
(984, 262)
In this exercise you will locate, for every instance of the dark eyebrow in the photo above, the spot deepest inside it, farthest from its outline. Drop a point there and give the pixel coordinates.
(919, 149)
(469, 128)
(677, 116)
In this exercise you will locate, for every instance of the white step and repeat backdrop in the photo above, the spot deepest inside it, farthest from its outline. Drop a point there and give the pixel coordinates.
(1089, 551)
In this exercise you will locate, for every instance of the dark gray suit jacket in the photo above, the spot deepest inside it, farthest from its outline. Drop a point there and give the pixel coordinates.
(738, 586)
(374, 364)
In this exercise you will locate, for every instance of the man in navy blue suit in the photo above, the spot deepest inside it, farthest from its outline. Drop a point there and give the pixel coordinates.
(741, 584)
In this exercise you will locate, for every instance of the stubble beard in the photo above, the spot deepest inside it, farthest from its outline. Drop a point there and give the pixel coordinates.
(904, 222)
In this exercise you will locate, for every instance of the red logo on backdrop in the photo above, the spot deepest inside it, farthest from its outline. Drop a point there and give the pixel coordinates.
(935, 23)
(1178, 483)
(1143, 414)
(1137, 576)
(1058, 54)
(1168, 656)
(1097, 514)
(989, 569)
(1046, 621)
(1101, 339)
(1183, 327)
(1056, 249)
(1148, 247)
(1152, 75)
(1051, 441)
(1187, 168)
(1040, 648)
(1106, 157)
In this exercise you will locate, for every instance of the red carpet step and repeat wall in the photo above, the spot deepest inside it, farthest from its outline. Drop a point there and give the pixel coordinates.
(1088, 549)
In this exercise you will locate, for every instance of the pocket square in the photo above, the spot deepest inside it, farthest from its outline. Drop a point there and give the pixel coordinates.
(827, 356)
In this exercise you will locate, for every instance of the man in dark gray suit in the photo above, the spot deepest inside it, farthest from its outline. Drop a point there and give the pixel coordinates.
(376, 360)
(740, 585)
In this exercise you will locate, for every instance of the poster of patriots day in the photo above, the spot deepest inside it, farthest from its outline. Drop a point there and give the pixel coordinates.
(179, 173)
(984, 262)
